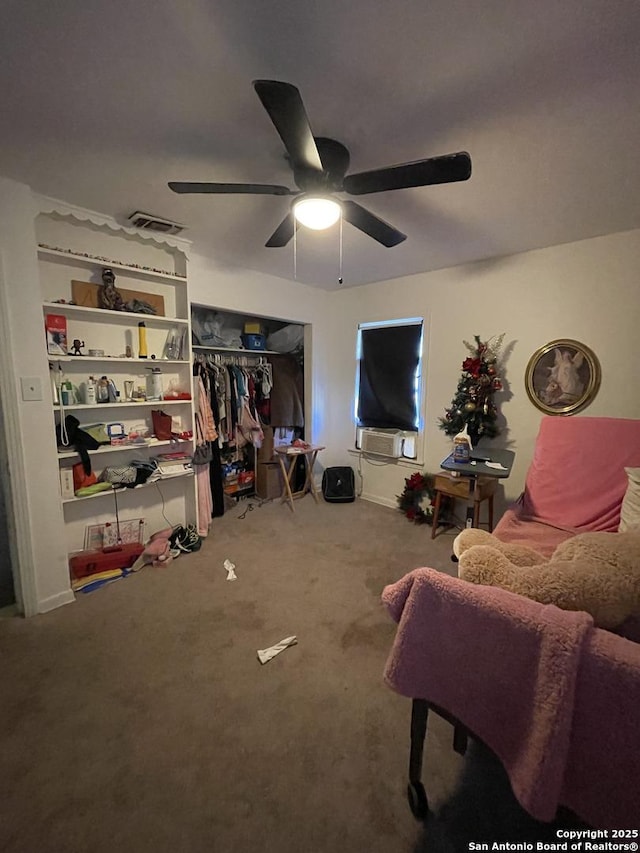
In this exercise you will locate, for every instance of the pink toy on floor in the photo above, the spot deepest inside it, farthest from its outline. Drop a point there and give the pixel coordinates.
(157, 551)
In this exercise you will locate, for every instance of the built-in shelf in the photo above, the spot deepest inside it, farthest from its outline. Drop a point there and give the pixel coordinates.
(120, 316)
(141, 362)
(92, 262)
(150, 267)
(241, 350)
(113, 448)
(242, 493)
(125, 405)
(110, 492)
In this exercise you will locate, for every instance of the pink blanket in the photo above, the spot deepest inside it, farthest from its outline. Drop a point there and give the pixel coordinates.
(554, 698)
(575, 483)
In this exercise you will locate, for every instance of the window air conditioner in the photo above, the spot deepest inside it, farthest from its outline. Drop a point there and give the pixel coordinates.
(382, 442)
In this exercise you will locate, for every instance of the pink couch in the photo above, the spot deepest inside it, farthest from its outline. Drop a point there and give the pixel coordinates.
(575, 483)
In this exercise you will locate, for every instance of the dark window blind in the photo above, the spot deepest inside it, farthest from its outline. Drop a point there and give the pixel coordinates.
(389, 358)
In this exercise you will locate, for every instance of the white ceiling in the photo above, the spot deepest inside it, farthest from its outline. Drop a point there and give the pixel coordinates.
(104, 102)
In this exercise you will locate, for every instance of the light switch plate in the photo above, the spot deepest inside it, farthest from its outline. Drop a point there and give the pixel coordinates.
(31, 388)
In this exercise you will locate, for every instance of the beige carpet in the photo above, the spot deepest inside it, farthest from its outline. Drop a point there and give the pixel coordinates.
(139, 718)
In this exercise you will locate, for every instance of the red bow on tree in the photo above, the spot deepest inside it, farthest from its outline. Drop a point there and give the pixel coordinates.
(472, 366)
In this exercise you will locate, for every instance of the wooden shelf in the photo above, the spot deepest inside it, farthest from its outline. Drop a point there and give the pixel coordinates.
(114, 448)
(147, 266)
(241, 493)
(124, 405)
(92, 262)
(109, 492)
(112, 316)
(105, 359)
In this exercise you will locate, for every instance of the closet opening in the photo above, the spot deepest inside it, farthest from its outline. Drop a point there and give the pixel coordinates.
(249, 377)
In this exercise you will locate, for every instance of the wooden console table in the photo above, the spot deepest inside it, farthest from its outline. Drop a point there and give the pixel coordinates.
(292, 453)
(462, 487)
(494, 464)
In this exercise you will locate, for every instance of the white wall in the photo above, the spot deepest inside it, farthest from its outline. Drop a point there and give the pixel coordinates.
(33, 469)
(588, 291)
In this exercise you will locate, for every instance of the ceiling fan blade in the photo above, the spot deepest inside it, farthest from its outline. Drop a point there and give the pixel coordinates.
(283, 233)
(372, 225)
(422, 173)
(284, 104)
(204, 187)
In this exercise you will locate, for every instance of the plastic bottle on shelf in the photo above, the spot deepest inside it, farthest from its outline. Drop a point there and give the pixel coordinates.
(154, 383)
(90, 395)
(67, 395)
(102, 390)
(112, 391)
(172, 345)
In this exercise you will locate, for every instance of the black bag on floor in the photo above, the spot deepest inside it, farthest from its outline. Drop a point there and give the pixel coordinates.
(339, 485)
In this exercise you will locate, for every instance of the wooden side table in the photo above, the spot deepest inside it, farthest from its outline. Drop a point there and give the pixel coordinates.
(462, 487)
(292, 453)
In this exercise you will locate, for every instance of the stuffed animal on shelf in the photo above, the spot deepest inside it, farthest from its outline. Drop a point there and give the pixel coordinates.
(595, 572)
(109, 296)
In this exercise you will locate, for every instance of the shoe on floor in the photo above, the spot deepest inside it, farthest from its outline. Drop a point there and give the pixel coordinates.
(186, 539)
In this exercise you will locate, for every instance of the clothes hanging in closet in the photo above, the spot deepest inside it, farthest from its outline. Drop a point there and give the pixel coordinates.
(209, 476)
(234, 390)
(287, 394)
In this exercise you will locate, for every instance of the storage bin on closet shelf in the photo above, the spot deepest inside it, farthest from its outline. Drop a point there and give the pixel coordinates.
(253, 341)
(288, 339)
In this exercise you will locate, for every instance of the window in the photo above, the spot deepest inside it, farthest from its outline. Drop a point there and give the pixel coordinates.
(388, 375)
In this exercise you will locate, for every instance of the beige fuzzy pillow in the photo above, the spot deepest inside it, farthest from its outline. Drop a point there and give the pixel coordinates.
(630, 509)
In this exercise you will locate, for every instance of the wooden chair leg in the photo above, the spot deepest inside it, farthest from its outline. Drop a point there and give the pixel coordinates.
(419, 714)
(490, 513)
(287, 475)
(460, 739)
(476, 513)
(436, 513)
(416, 793)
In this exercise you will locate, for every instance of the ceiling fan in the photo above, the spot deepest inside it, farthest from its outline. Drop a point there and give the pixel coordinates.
(319, 171)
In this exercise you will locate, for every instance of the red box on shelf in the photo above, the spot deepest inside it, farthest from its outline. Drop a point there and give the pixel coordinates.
(56, 330)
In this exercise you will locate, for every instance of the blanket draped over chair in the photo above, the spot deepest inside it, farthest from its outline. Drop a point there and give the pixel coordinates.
(556, 699)
(575, 483)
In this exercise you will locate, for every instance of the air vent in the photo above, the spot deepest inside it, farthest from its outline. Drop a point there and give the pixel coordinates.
(154, 223)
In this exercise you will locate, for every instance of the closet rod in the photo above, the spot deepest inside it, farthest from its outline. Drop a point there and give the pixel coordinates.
(241, 350)
(244, 360)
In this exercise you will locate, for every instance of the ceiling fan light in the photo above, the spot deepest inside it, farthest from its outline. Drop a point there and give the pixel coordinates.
(316, 212)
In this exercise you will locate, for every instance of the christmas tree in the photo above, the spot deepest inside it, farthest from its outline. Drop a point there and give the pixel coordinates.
(473, 404)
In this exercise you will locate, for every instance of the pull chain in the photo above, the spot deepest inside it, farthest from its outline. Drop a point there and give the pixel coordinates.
(340, 279)
(295, 252)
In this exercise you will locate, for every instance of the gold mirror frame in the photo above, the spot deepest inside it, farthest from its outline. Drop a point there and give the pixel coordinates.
(562, 377)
